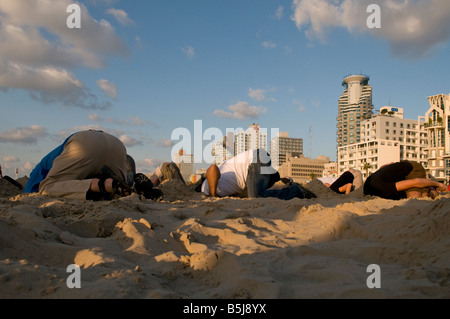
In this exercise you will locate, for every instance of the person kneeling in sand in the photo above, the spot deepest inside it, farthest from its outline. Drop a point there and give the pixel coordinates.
(89, 165)
(404, 179)
(349, 181)
(249, 171)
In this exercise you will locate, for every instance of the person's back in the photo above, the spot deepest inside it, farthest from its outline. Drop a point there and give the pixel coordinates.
(233, 175)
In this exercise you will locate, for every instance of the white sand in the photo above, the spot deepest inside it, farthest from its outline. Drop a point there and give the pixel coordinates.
(189, 246)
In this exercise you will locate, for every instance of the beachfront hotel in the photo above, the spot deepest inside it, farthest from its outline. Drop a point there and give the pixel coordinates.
(437, 124)
(355, 105)
(385, 138)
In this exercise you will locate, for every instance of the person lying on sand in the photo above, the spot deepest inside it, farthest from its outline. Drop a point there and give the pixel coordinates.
(347, 182)
(404, 179)
(249, 171)
(88, 165)
(166, 171)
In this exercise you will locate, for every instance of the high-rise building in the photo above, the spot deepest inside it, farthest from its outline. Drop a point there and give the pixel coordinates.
(283, 146)
(250, 139)
(437, 124)
(355, 105)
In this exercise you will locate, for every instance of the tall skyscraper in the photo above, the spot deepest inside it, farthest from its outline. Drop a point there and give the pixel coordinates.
(355, 104)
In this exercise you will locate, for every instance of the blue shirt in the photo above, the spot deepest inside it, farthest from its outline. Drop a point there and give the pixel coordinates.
(41, 170)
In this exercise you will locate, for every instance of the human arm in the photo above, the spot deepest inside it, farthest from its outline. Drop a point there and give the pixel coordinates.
(420, 183)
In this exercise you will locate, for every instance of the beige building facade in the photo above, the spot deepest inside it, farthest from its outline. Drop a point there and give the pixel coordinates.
(303, 169)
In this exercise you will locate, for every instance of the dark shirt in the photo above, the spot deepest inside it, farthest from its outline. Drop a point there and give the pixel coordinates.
(344, 179)
(382, 182)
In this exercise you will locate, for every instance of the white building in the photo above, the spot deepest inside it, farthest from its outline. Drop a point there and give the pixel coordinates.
(437, 124)
(385, 138)
(250, 139)
(375, 153)
(220, 153)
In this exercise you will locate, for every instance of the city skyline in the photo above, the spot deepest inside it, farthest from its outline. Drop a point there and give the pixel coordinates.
(139, 70)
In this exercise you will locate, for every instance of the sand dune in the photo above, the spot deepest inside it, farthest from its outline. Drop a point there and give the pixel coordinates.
(189, 246)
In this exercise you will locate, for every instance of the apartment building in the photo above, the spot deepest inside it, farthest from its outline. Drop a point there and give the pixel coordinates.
(252, 138)
(437, 124)
(385, 138)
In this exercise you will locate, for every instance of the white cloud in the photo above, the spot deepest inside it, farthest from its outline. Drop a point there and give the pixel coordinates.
(23, 135)
(413, 29)
(189, 51)
(121, 16)
(10, 159)
(129, 141)
(94, 117)
(279, 13)
(109, 88)
(163, 142)
(27, 166)
(269, 45)
(241, 110)
(37, 49)
(257, 94)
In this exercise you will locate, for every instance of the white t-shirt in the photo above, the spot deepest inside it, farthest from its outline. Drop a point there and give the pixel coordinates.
(233, 175)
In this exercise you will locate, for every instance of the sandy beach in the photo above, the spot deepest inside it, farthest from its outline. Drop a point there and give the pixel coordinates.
(191, 246)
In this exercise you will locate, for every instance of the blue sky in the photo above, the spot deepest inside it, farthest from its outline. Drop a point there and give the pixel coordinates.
(140, 69)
